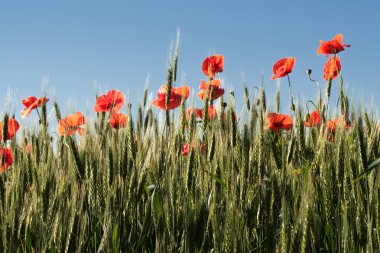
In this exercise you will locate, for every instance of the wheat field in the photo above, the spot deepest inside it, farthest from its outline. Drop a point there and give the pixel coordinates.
(240, 187)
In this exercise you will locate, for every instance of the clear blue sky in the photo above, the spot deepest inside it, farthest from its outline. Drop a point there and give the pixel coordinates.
(117, 43)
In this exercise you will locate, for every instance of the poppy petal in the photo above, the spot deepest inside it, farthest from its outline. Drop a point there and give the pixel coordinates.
(177, 95)
(28, 101)
(6, 158)
(278, 121)
(339, 38)
(213, 64)
(118, 120)
(283, 67)
(111, 102)
(183, 91)
(332, 68)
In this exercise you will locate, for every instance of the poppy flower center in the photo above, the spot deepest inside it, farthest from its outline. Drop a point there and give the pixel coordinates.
(277, 124)
(111, 105)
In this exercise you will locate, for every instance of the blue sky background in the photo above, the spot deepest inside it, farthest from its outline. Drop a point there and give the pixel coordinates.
(115, 44)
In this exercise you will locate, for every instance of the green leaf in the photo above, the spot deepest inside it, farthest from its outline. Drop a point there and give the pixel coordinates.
(371, 167)
(216, 178)
(146, 225)
(115, 235)
(156, 203)
(28, 235)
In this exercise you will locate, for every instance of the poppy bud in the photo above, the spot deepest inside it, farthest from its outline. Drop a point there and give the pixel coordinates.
(308, 72)
(224, 105)
(293, 107)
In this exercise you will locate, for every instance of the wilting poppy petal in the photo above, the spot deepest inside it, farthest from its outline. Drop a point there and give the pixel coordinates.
(13, 127)
(332, 68)
(198, 112)
(71, 124)
(28, 101)
(218, 92)
(213, 64)
(206, 89)
(177, 94)
(6, 158)
(283, 67)
(213, 83)
(118, 120)
(31, 103)
(278, 121)
(314, 119)
(333, 46)
(111, 102)
(332, 125)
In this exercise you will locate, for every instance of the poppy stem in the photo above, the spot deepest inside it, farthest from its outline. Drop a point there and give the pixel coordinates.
(317, 83)
(38, 114)
(292, 106)
(316, 108)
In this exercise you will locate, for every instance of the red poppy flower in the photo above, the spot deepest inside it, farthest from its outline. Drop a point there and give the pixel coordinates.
(283, 67)
(6, 158)
(332, 125)
(71, 124)
(278, 121)
(206, 89)
(213, 64)
(118, 120)
(31, 103)
(111, 102)
(176, 96)
(332, 46)
(13, 127)
(198, 112)
(332, 68)
(314, 119)
(185, 149)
